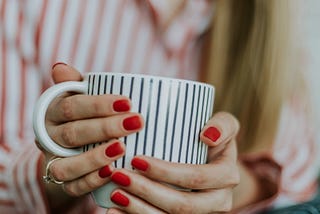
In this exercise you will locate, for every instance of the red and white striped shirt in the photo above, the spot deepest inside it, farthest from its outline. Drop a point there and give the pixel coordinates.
(113, 36)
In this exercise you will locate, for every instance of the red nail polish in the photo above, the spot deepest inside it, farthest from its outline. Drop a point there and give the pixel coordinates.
(120, 199)
(58, 63)
(105, 172)
(121, 105)
(132, 123)
(114, 150)
(121, 179)
(140, 164)
(212, 133)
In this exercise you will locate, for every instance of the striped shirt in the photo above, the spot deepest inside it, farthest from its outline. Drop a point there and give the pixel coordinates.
(94, 35)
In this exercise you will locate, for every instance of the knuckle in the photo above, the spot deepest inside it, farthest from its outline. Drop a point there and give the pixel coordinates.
(68, 135)
(58, 173)
(143, 190)
(97, 106)
(183, 206)
(66, 107)
(106, 130)
(109, 130)
(71, 190)
(96, 160)
(196, 180)
(89, 183)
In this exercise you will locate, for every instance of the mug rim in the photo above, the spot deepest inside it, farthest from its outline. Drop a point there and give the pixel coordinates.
(150, 76)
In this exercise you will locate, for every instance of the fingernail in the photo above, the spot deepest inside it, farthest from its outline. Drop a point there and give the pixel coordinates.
(114, 150)
(121, 179)
(212, 133)
(58, 63)
(121, 105)
(120, 199)
(105, 172)
(140, 164)
(132, 123)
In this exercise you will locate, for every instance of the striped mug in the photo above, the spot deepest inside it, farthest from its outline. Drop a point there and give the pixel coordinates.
(174, 111)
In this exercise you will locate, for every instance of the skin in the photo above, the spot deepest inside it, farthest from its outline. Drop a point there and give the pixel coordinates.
(214, 182)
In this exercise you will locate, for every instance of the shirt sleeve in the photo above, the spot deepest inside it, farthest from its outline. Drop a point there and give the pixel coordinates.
(181, 22)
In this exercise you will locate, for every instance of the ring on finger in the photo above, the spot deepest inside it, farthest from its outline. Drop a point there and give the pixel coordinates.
(48, 178)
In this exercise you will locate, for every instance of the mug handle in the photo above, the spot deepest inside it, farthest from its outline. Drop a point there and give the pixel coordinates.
(40, 112)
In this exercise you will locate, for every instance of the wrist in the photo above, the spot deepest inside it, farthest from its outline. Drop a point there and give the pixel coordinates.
(250, 190)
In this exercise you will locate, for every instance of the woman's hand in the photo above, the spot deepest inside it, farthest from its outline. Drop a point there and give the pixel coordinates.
(212, 183)
(74, 120)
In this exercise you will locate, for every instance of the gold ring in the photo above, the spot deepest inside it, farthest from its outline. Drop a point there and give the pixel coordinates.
(48, 177)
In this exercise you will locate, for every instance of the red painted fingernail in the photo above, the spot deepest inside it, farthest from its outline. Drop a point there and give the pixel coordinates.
(132, 123)
(121, 179)
(58, 63)
(120, 199)
(105, 172)
(212, 133)
(114, 150)
(121, 105)
(140, 164)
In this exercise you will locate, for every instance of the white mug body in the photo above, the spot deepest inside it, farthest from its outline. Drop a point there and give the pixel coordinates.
(174, 112)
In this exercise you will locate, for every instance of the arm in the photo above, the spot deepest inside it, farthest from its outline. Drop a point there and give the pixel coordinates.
(251, 189)
(259, 185)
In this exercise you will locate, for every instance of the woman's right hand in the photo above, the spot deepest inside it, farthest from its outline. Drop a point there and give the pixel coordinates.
(74, 120)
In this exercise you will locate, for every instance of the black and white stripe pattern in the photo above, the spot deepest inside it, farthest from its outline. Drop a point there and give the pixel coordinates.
(169, 107)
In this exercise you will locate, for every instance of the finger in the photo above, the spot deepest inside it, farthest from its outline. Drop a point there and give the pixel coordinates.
(115, 211)
(77, 107)
(220, 129)
(206, 176)
(83, 132)
(89, 182)
(132, 204)
(223, 152)
(62, 72)
(68, 169)
(168, 199)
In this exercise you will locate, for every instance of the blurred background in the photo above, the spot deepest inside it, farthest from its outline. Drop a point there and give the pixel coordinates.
(308, 34)
(308, 44)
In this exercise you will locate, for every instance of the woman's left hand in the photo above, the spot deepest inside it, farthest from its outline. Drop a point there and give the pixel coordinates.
(147, 191)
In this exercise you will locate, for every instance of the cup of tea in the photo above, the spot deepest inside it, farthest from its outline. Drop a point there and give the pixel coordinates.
(174, 112)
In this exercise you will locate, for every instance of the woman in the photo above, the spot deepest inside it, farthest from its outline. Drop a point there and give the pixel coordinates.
(157, 38)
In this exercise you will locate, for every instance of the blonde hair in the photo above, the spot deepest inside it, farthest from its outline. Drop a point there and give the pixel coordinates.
(249, 66)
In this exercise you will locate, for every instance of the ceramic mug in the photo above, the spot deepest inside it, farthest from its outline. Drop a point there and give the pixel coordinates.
(174, 111)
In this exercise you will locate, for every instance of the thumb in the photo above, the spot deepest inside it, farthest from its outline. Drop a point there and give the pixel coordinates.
(62, 72)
